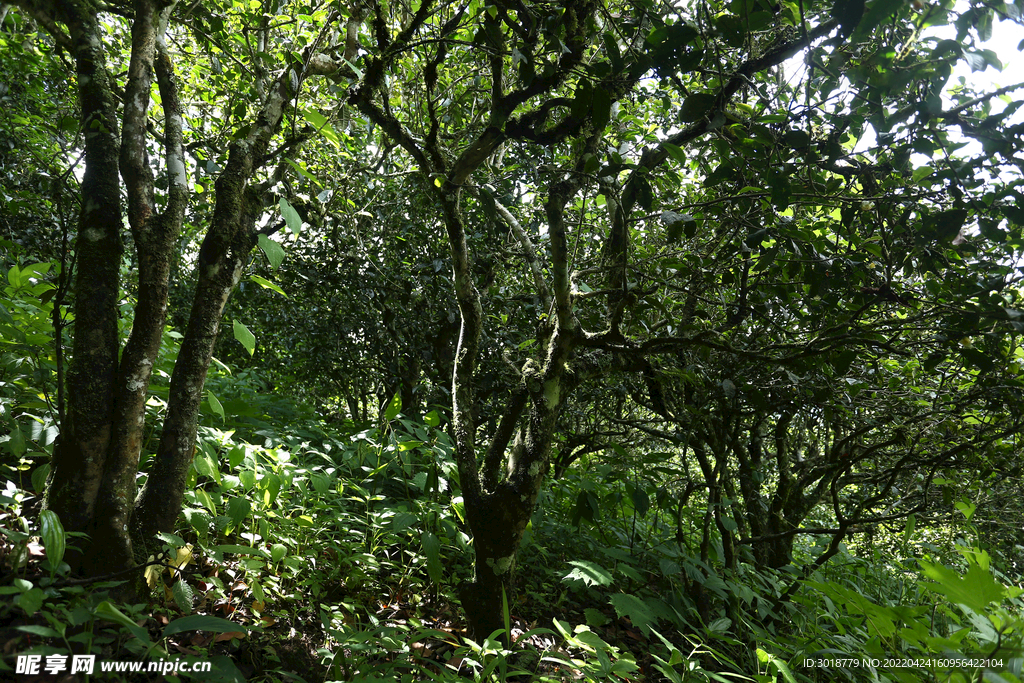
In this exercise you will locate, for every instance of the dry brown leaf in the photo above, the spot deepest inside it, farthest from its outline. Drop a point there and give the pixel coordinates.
(201, 639)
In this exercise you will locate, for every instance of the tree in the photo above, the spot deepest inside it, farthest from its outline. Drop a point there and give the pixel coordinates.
(368, 293)
(92, 484)
(784, 252)
(658, 232)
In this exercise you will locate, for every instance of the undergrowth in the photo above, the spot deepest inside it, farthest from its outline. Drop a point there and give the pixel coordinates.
(314, 551)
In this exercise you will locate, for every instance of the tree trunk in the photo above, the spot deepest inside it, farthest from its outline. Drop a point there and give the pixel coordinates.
(81, 451)
(155, 235)
(500, 500)
(222, 259)
(498, 521)
(92, 483)
(95, 462)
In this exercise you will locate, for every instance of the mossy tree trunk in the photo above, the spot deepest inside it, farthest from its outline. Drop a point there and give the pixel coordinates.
(95, 463)
(92, 481)
(500, 483)
(500, 493)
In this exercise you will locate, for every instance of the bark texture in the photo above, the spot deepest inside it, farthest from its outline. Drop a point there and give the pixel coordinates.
(80, 455)
(222, 260)
(155, 235)
(95, 464)
(92, 482)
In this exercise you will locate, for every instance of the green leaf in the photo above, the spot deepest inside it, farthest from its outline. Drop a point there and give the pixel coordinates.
(39, 477)
(843, 362)
(204, 498)
(403, 520)
(976, 589)
(172, 540)
(637, 191)
(781, 188)
(236, 455)
(36, 270)
(697, 107)
(641, 500)
(848, 13)
(908, 530)
(1014, 214)
(202, 622)
(583, 102)
(394, 406)
(238, 509)
(797, 139)
(321, 483)
(14, 276)
(278, 552)
(622, 667)
(317, 119)
(675, 151)
(355, 69)
(432, 419)
(779, 664)
(432, 549)
(291, 216)
(267, 284)
(271, 484)
(17, 445)
(984, 26)
(248, 478)
(5, 316)
(183, 595)
(589, 573)
(303, 172)
(215, 404)
(879, 11)
(199, 520)
(921, 172)
(966, 508)
(52, 533)
(36, 630)
(611, 45)
(244, 336)
(636, 610)
(720, 625)
(487, 203)
(106, 610)
(31, 600)
(273, 250)
(944, 225)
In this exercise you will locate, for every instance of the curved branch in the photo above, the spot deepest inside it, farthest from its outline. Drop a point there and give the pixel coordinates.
(529, 252)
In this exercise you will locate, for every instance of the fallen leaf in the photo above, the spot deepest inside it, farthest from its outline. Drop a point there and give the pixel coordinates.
(201, 640)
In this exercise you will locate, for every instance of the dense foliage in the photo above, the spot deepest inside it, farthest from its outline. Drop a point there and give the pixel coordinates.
(583, 339)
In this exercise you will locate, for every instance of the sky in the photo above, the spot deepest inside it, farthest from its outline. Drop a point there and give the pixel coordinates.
(1005, 37)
